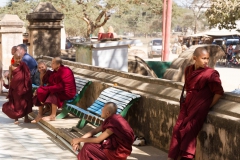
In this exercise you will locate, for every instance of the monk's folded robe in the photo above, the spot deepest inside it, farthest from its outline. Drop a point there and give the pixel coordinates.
(20, 93)
(46, 77)
(118, 146)
(61, 86)
(201, 86)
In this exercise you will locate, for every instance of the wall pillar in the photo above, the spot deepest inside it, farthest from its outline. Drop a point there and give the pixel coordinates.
(45, 30)
(11, 31)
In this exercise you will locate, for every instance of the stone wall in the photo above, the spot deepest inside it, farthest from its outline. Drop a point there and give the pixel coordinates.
(155, 114)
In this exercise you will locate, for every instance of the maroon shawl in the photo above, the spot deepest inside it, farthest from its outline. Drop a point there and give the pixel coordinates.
(61, 83)
(119, 144)
(20, 93)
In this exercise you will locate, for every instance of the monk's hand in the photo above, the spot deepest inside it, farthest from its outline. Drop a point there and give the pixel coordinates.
(35, 93)
(75, 147)
(75, 141)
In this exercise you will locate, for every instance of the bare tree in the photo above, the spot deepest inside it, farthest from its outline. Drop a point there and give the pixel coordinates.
(198, 7)
(92, 25)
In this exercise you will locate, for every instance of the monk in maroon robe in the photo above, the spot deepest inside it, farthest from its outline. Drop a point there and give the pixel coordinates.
(20, 91)
(203, 90)
(115, 141)
(44, 77)
(61, 86)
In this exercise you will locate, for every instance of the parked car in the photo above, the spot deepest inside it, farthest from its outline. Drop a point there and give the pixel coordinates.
(155, 48)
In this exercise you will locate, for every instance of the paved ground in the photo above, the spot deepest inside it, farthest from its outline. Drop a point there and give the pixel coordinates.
(28, 142)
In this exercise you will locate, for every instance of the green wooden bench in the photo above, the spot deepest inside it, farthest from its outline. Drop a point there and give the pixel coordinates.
(81, 86)
(123, 99)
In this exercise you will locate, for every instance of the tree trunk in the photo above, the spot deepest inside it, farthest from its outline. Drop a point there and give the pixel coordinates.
(195, 26)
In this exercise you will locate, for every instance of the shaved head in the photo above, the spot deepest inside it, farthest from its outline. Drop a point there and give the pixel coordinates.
(16, 55)
(14, 49)
(199, 51)
(111, 107)
(58, 60)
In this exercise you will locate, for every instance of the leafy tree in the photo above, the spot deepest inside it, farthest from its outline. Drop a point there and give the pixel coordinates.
(20, 8)
(223, 13)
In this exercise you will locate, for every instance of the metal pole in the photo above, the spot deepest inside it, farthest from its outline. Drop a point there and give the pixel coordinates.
(163, 25)
(168, 31)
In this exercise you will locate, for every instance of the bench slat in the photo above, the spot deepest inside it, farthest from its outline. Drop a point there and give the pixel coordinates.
(112, 89)
(80, 83)
(122, 93)
(81, 79)
(101, 103)
(116, 98)
(105, 100)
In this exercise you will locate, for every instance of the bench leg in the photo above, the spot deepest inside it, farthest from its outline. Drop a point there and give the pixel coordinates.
(63, 114)
(81, 123)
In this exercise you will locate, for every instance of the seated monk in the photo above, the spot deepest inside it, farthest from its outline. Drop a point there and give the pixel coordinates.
(61, 86)
(20, 91)
(44, 76)
(115, 141)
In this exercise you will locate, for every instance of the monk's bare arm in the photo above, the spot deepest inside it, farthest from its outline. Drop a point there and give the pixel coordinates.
(215, 99)
(98, 139)
(92, 132)
(10, 74)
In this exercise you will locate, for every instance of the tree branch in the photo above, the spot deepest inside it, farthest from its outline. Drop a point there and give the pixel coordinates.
(104, 22)
(100, 16)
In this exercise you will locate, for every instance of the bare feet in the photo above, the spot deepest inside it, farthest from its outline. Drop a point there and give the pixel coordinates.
(37, 119)
(26, 119)
(48, 118)
(46, 109)
(16, 121)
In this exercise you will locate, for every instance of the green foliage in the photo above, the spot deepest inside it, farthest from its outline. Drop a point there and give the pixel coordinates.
(20, 8)
(223, 13)
(84, 17)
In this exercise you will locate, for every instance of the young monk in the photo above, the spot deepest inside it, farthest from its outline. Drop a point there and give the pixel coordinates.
(61, 86)
(204, 89)
(20, 91)
(44, 76)
(115, 141)
(7, 75)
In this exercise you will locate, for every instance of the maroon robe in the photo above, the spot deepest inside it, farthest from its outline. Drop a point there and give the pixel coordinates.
(116, 147)
(61, 86)
(201, 86)
(45, 82)
(46, 77)
(20, 93)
